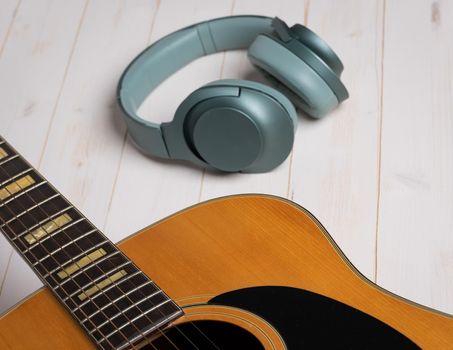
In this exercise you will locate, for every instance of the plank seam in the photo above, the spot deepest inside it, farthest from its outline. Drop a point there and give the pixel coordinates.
(6, 270)
(10, 27)
(65, 75)
(123, 146)
(379, 160)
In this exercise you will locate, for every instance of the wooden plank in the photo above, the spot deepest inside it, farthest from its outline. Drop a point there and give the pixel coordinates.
(84, 143)
(415, 225)
(84, 147)
(335, 160)
(33, 60)
(150, 189)
(237, 66)
(7, 16)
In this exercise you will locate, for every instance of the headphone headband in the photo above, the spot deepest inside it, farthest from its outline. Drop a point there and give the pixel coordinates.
(171, 53)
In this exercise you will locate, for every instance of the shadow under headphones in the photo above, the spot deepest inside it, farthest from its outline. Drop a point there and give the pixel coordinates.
(234, 125)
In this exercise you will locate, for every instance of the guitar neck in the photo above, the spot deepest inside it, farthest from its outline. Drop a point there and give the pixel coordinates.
(111, 298)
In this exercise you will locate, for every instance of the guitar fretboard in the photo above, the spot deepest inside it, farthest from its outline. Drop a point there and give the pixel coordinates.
(114, 301)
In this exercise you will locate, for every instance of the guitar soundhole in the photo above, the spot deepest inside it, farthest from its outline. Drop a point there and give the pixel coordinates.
(206, 335)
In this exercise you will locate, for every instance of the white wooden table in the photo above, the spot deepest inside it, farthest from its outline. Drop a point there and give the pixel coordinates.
(377, 172)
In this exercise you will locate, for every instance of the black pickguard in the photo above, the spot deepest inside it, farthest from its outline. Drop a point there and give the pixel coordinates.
(306, 320)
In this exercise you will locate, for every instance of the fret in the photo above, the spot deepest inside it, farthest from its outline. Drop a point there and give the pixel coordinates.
(51, 235)
(90, 264)
(18, 216)
(84, 263)
(17, 176)
(42, 222)
(129, 322)
(25, 191)
(96, 280)
(3, 153)
(113, 292)
(95, 270)
(51, 272)
(102, 284)
(48, 228)
(125, 279)
(17, 207)
(12, 165)
(124, 295)
(126, 312)
(130, 330)
(52, 253)
(50, 257)
(3, 162)
(15, 187)
(118, 299)
(75, 291)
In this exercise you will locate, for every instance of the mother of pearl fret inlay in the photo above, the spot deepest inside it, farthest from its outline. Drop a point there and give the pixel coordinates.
(47, 228)
(101, 285)
(84, 269)
(86, 260)
(3, 153)
(16, 186)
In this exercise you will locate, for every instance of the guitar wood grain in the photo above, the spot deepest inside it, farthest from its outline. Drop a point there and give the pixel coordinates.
(228, 244)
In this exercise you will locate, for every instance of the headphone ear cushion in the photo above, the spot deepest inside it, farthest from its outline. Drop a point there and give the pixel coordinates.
(293, 76)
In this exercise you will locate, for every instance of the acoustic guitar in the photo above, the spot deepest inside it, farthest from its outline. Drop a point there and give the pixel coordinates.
(242, 272)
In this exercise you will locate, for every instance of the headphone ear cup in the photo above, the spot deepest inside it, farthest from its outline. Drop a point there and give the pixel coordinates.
(306, 88)
(318, 46)
(268, 90)
(250, 132)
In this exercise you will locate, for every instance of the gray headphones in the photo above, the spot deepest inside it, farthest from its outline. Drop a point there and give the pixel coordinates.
(234, 125)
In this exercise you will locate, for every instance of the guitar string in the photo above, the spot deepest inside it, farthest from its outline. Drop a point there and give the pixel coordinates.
(102, 292)
(139, 290)
(15, 217)
(31, 252)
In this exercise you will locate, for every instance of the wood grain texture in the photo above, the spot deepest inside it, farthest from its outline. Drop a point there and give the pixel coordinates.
(33, 62)
(233, 243)
(335, 160)
(379, 206)
(415, 255)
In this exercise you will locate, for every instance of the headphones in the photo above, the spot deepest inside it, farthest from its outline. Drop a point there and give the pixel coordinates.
(234, 125)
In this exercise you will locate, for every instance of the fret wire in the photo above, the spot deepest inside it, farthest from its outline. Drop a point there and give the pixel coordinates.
(97, 279)
(57, 295)
(29, 209)
(23, 192)
(15, 177)
(128, 308)
(63, 266)
(94, 263)
(153, 329)
(125, 279)
(101, 292)
(52, 234)
(8, 159)
(129, 322)
(66, 245)
(119, 298)
(40, 223)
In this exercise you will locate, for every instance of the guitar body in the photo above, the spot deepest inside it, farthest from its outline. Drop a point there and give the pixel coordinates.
(252, 272)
